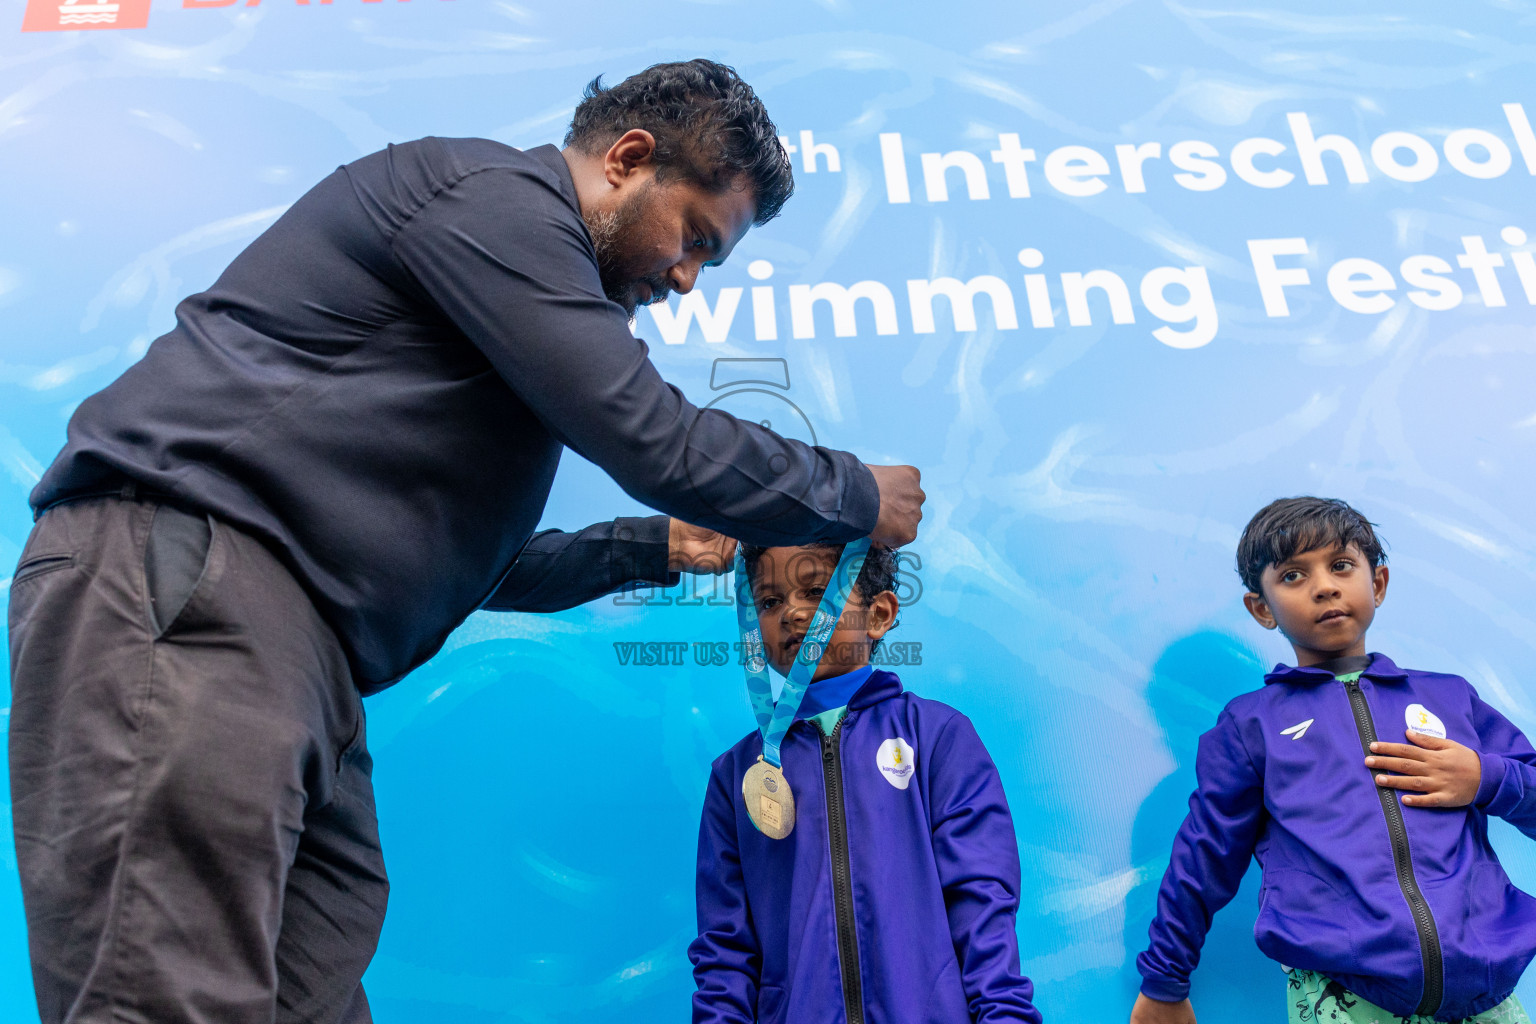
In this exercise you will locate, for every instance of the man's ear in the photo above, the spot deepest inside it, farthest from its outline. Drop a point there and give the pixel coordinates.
(1259, 609)
(633, 152)
(880, 614)
(1379, 583)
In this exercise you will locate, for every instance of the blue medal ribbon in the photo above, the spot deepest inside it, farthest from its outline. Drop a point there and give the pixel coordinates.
(773, 720)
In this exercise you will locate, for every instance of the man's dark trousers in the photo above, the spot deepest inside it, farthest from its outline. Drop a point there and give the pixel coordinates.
(191, 788)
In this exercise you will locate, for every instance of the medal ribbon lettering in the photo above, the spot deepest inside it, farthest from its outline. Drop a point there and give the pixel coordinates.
(773, 720)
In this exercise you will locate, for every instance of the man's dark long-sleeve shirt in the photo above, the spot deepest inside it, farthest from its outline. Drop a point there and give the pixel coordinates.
(380, 386)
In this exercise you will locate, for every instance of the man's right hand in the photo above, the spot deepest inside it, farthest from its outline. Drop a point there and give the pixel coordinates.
(1154, 1011)
(901, 505)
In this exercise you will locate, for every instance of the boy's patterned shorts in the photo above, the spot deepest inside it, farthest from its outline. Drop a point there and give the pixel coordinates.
(1313, 998)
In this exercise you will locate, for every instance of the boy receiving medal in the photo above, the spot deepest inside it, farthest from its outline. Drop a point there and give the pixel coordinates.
(885, 888)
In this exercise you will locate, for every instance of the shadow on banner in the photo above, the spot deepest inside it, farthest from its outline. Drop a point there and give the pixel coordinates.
(1191, 682)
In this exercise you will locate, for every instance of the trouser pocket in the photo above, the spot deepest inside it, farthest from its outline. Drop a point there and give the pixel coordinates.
(175, 560)
(39, 565)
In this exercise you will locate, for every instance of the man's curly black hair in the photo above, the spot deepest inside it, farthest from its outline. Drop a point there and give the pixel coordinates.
(1291, 526)
(709, 126)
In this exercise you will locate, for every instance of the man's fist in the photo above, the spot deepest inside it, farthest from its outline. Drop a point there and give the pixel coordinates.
(901, 505)
(1153, 1011)
(697, 550)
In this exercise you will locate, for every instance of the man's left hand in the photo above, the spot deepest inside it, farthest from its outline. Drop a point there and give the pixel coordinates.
(697, 550)
(1436, 772)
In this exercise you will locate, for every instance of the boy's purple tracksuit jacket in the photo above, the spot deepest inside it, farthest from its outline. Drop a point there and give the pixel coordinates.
(893, 900)
(1406, 906)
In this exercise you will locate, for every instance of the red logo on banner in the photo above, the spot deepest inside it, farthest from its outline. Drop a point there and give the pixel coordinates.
(69, 15)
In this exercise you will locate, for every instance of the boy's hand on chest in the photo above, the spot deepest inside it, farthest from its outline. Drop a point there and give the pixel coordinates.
(1433, 772)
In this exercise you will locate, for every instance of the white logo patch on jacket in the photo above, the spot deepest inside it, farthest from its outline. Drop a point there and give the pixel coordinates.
(897, 761)
(1421, 719)
(1298, 730)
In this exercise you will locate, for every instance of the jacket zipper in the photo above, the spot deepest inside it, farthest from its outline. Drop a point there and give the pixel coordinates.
(842, 878)
(1429, 937)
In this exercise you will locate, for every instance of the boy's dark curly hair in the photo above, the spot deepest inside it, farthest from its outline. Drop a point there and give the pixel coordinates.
(878, 573)
(709, 126)
(1290, 526)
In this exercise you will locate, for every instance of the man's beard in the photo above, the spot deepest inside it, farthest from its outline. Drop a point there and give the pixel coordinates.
(610, 229)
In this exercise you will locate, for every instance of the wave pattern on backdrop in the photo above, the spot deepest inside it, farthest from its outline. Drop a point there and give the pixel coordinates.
(1251, 251)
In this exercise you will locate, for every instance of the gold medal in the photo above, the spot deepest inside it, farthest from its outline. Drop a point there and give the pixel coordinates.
(770, 804)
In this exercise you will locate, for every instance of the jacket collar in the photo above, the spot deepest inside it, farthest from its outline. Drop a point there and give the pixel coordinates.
(831, 693)
(880, 686)
(1381, 669)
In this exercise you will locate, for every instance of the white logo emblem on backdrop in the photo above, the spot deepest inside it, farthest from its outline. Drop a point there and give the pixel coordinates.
(897, 761)
(1421, 719)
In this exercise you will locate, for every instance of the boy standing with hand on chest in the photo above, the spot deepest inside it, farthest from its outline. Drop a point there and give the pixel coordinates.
(1382, 896)
(886, 890)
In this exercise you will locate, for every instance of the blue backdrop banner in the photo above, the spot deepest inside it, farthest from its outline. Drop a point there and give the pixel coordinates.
(1112, 274)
